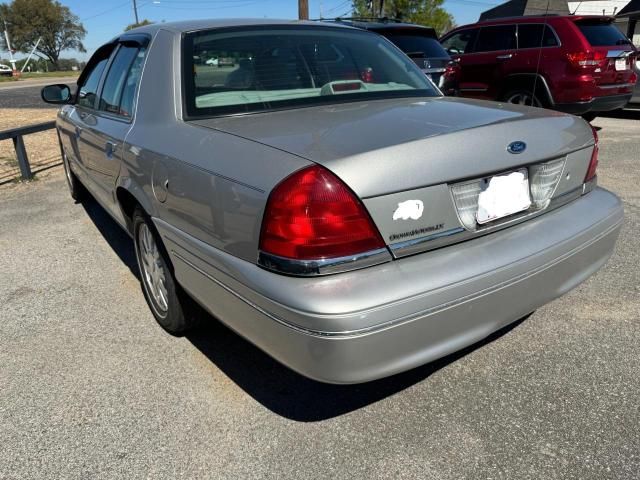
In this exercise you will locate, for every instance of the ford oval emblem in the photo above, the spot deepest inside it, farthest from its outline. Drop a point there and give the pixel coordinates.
(516, 147)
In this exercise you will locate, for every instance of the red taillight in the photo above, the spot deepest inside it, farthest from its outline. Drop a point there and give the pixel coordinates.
(586, 59)
(593, 165)
(312, 215)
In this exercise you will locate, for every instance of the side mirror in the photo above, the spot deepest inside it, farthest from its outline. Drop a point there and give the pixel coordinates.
(57, 94)
(453, 51)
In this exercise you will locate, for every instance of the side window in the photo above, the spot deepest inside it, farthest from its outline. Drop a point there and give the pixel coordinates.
(461, 42)
(496, 38)
(89, 88)
(127, 104)
(530, 36)
(116, 78)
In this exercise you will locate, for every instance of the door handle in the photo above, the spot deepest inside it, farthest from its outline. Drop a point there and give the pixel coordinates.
(505, 57)
(109, 148)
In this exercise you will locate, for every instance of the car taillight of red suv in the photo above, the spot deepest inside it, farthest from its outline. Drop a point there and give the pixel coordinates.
(576, 64)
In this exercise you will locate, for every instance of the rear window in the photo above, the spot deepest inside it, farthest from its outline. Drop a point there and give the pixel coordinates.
(493, 39)
(530, 36)
(417, 44)
(261, 68)
(600, 34)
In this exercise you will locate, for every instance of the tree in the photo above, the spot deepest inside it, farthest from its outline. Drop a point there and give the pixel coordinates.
(139, 24)
(423, 12)
(28, 20)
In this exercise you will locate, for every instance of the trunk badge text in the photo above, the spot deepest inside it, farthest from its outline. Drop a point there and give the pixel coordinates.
(410, 209)
(516, 147)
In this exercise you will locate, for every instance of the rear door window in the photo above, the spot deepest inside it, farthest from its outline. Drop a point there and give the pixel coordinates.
(127, 103)
(496, 38)
(417, 44)
(116, 78)
(600, 34)
(460, 42)
(530, 36)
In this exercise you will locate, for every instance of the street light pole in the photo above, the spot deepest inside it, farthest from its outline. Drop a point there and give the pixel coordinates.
(303, 9)
(6, 37)
(135, 11)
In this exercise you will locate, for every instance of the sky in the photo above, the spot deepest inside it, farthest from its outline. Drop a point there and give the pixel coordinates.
(103, 19)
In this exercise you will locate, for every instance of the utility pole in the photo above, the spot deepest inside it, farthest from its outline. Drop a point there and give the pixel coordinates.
(303, 9)
(6, 37)
(135, 11)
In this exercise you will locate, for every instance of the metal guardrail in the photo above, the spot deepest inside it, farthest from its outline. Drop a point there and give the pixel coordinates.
(16, 135)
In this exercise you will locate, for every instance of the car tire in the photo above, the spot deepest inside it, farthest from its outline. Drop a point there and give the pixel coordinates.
(520, 96)
(172, 308)
(590, 116)
(76, 189)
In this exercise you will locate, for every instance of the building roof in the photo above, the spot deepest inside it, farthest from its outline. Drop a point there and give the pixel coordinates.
(518, 8)
(632, 8)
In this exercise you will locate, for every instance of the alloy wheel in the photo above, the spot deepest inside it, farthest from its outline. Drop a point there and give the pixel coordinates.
(153, 270)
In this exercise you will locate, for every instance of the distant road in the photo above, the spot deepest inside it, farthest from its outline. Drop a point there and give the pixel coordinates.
(26, 93)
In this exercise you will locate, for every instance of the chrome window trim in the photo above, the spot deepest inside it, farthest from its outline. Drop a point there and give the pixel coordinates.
(306, 268)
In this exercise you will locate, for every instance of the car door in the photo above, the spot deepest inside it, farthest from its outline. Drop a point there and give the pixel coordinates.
(112, 120)
(73, 117)
(485, 68)
(460, 46)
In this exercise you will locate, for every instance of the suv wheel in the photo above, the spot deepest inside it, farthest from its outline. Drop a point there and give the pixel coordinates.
(522, 97)
(170, 305)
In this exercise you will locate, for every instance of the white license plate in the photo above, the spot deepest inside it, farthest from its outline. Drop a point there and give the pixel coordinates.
(621, 64)
(504, 195)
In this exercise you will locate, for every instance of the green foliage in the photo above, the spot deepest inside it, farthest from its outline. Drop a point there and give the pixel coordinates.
(27, 20)
(139, 24)
(422, 12)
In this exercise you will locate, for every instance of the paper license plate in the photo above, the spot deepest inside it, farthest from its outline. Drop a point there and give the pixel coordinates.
(504, 195)
(621, 64)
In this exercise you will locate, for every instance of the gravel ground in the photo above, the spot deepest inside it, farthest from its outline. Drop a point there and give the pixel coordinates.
(90, 387)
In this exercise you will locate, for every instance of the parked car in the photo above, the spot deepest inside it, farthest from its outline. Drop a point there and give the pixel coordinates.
(420, 44)
(635, 99)
(576, 64)
(213, 62)
(350, 229)
(5, 70)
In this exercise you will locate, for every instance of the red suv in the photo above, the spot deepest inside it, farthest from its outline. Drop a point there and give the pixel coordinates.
(575, 64)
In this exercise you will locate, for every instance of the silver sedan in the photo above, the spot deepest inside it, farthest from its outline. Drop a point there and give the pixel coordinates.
(318, 195)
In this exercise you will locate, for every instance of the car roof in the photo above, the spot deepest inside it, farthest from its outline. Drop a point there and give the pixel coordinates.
(206, 24)
(380, 24)
(536, 19)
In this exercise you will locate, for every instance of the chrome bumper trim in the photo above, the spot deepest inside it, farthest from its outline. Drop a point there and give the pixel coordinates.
(304, 268)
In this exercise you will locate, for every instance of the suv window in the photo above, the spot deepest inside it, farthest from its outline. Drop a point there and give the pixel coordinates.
(461, 42)
(499, 37)
(600, 34)
(115, 81)
(413, 43)
(89, 88)
(530, 36)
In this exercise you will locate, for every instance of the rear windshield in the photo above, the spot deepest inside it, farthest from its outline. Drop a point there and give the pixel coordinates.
(600, 34)
(416, 44)
(254, 69)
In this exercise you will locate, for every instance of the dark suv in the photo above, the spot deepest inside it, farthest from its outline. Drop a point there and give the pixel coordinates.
(576, 64)
(419, 43)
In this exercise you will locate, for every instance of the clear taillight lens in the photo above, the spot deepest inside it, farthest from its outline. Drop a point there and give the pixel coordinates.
(465, 197)
(543, 181)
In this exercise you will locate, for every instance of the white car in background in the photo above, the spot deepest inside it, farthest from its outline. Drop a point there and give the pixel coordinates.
(212, 61)
(5, 70)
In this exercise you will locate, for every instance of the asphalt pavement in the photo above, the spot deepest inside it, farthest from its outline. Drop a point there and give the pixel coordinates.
(91, 387)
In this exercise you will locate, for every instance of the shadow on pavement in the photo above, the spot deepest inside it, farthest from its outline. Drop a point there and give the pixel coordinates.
(270, 383)
(626, 114)
(117, 238)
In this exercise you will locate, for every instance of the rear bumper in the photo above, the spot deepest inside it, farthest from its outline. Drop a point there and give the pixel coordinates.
(368, 324)
(598, 104)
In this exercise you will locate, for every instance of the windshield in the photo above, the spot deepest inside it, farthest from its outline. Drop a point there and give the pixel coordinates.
(254, 69)
(411, 44)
